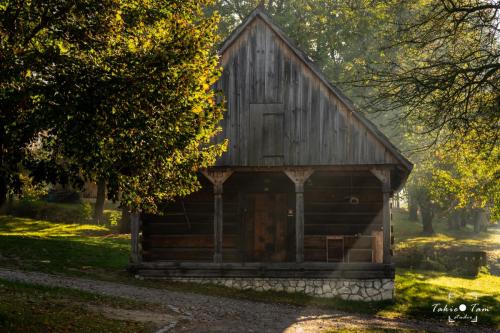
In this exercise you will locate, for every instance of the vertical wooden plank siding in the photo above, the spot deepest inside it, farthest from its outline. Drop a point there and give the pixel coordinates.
(384, 175)
(218, 222)
(386, 221)
(260, 69)
(135, 255)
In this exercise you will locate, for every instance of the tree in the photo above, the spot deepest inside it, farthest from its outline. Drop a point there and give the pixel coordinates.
(457, 182)
(133, 103)
(445, 72)
(468, 182)
(420, 185)
(32, 36)
(100, 201)
(412, 205)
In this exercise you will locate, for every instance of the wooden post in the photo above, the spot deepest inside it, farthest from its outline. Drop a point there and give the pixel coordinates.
(384, 175)
(135, 227)
(299, 177)
(217, 178)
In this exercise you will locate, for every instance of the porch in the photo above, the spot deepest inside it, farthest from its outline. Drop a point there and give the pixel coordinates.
(267, 222)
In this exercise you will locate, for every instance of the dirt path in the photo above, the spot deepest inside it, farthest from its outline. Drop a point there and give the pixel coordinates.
(200, 313)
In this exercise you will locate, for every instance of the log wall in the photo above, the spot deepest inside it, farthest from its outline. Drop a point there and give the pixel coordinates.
(329, 211)
(176, 236)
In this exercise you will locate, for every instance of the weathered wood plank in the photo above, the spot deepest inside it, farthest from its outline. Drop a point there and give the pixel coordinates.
(319, 127)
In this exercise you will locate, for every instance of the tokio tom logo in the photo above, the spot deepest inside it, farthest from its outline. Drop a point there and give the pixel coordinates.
(461, 312)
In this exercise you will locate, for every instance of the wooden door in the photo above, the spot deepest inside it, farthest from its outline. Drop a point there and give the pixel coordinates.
(269, 227)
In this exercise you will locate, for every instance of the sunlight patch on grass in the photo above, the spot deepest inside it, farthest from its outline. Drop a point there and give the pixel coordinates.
(15, 226)
(60, 247)
(484, 284)
(409, 234)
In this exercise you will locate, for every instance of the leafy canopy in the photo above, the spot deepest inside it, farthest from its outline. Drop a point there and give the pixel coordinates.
(131, 101)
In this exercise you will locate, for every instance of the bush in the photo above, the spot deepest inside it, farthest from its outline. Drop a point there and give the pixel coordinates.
(64, 196)
(55, 212)
(459, 262)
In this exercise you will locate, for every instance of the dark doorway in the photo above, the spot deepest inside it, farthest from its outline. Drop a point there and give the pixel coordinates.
(266, 227)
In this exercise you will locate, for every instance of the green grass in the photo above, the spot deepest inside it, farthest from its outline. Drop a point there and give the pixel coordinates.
(409, 234)
(443, 250)
(60, 247)
(31, 308)
(95, 251)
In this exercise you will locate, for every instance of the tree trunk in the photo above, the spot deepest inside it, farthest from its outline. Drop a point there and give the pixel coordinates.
(3, 189)
(99, 202)
(124, 226)
(427, 217)
(412, 208)
(454, 220)
(479, 220)
(427, 214)
(463, 219)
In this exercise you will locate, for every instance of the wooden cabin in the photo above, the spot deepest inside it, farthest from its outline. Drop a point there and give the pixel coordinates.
(303, 191)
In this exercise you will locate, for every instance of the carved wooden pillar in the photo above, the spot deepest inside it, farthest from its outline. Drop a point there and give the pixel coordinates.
(299, 177)
(135, 246)
(217, 178)
(384, 175)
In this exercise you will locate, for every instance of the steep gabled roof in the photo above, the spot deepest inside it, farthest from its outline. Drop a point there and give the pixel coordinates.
(260, 13)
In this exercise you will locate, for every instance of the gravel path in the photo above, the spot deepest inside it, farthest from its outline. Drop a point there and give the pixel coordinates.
(200, 313)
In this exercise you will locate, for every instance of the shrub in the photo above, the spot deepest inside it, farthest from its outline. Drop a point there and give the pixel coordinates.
(456, 261)
(55, 212)
(64, 196)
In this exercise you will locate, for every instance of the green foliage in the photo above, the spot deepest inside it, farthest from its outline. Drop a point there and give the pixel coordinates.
(118, 90)
(112, 217)
(55, 212)
(34, 38)
(467, 178)
(442, 70)
(31, 190)
(457, 181)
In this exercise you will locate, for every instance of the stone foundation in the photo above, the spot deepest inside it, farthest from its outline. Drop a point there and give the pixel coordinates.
(347, 289)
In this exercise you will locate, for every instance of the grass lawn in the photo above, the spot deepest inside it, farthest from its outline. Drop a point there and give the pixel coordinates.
(439, 251)
(74, 249)
(95, 251)
(41, 309)
(409, 234)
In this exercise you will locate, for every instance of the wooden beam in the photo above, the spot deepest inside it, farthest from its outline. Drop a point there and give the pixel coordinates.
(135, 227)
(217, 177)
(299, 177)
(274, 270)
(384, 175)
